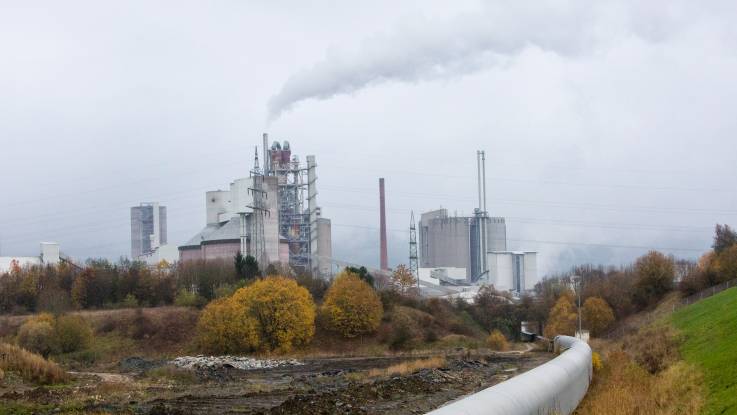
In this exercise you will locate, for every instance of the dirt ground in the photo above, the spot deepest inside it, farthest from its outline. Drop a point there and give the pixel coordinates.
(320, 386)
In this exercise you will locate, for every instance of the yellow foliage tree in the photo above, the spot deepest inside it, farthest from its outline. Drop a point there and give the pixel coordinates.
(597, 314)
(562, 318)
(497, 341)
(282, 310)
(225, 327)
(351, 307)
(403, 279)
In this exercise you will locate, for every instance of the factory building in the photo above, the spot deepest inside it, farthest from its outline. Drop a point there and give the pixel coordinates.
(49, 255)
(148, 228)
(455, 241)
(459, 251)
(512, 271)
(271, 215)
(230, 220)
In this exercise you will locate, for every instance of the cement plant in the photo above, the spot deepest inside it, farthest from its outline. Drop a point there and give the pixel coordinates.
(401, 208)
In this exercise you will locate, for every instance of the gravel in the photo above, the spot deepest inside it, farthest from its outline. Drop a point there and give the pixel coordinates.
(236, 362)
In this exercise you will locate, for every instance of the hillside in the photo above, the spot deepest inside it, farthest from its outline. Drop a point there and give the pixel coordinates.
(710, 342)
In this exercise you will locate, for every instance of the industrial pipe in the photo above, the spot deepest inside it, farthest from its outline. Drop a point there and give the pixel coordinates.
(556, 387)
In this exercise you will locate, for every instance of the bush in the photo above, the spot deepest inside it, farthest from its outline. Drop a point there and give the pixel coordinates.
(129, 301)
(37, 336)
(596, 362)
(140, 327)
(225, 327)
(402, 331)
(351, 307)
(497, 341)
(186, 298)
(655, 347)
(72, 333)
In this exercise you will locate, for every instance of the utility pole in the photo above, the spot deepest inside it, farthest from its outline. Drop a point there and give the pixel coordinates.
(577, 280)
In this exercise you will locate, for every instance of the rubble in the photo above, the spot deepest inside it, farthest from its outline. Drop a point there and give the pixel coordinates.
(236, 362)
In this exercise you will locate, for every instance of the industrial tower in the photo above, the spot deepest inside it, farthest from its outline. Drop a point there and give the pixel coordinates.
(383, 256)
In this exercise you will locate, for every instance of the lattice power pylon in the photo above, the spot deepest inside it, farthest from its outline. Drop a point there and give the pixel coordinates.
(258, 240)
(413, 249)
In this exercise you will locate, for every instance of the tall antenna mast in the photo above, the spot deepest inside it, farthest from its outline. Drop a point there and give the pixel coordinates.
(413, 250)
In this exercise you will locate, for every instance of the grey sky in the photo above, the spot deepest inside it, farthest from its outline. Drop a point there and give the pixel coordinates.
(608, 128)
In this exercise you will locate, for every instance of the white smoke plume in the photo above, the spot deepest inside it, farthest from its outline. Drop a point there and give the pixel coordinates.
(423, 49)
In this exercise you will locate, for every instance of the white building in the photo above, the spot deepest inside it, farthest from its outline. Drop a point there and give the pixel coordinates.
(512, 270)
(49, 255)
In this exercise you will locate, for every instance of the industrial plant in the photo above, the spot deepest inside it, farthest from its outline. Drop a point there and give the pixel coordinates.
(271, 215)
(469, 251)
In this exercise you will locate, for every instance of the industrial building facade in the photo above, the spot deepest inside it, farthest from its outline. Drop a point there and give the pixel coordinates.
(271, 215)
(455, 241)
(148, 228)
(465, 251)
(512, 271)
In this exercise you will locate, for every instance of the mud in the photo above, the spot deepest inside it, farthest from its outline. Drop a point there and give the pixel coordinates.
(335, 386)
(319, 386)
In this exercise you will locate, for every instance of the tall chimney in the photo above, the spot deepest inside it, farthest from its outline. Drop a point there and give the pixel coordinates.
(266, 154)
(382, 219)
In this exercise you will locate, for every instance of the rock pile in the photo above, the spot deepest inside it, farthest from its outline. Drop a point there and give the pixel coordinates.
(236, 362)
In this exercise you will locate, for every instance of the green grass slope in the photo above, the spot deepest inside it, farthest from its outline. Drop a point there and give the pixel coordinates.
(710, 329)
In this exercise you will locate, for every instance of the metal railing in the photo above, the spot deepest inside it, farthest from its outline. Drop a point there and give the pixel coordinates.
(556, 387)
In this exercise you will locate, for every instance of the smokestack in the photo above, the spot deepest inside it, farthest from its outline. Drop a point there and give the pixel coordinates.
(266, 154)
(382, 219)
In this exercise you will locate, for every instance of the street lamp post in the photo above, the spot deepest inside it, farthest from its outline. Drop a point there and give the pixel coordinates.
(577, 287)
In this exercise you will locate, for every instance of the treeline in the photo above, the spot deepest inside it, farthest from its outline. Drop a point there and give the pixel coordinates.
(632, 288)
(103, 284)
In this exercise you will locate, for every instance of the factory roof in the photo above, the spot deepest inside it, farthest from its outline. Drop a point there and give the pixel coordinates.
(216, 232)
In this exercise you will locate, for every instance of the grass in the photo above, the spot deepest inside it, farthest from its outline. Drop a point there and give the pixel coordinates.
(710, 330)
(408, 367)
(30, 366)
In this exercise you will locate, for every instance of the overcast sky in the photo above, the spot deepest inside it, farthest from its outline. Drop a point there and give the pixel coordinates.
(609, 128)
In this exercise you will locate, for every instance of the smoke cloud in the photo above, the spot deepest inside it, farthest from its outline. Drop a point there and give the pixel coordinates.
(423, 50)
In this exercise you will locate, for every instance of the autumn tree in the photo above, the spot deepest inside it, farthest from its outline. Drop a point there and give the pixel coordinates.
(403, 279)
(362, 273)
(351, 307)
(562, 318)
(727, 264)
(283, 312)
(597, 314)
(654, 278)
(724, 237)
